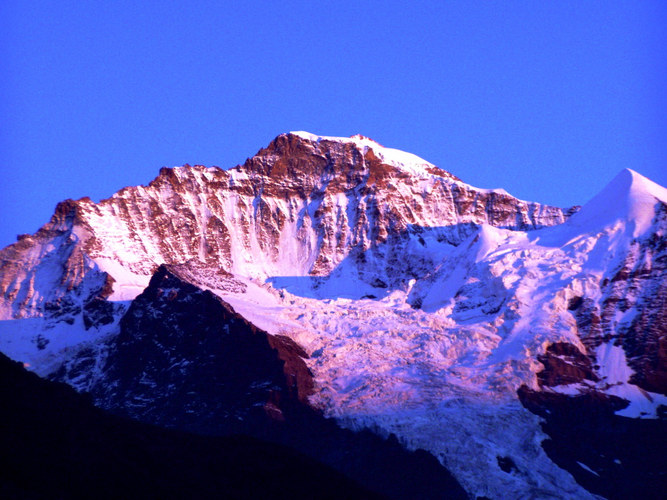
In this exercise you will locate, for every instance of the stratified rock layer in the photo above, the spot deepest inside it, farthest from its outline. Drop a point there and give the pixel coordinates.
(299, 207)
(336, 277)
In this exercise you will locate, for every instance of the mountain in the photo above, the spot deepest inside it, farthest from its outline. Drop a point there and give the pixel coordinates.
(298, 208)
(185, 360)
(55, 444)
(335, 280)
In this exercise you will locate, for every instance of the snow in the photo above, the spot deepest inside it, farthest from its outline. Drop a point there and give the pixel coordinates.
(435, 376)
(629, 197)
(613, 365)
(128, 284)
(615, 374)
(442, 375)
(571, 389)
(587, 468)
(43, 346)
(408, 162)
(490, 239)
(384, 365)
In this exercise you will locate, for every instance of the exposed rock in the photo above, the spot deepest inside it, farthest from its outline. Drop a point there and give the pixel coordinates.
(610, 455)
(639, 283)
(564, 364)
(303, 204)
(185, 360)
(325, 243)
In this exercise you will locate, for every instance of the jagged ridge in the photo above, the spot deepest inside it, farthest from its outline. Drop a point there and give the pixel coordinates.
(299, 207)
(424, 304)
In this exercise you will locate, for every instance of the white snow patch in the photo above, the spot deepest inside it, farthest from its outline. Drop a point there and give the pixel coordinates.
(570, 389)
(127, 284)
(629, 197)
(587, 468)
(613, 364)
(615, 374)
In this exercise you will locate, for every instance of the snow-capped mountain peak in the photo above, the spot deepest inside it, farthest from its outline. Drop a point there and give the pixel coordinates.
(408, 162)
(630, 198)
(422, 305)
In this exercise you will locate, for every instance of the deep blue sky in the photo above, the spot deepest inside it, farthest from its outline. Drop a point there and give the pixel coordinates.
(548, 100)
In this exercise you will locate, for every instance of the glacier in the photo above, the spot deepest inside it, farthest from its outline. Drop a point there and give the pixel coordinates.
(424, 303)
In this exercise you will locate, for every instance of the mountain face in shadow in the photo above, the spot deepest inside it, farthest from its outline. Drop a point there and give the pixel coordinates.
(55, 444)
(185, 360)
(610, 455)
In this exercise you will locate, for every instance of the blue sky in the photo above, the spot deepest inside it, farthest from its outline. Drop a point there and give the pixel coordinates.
(548, 100)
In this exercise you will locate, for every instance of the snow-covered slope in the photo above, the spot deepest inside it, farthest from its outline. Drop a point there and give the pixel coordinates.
(299, 207)
(629, 199)
(424, 304)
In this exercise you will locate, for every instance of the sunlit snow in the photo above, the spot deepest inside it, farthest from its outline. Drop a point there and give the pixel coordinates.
(436, 359)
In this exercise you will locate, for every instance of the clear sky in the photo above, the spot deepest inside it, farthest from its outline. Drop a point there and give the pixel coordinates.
(548, 100)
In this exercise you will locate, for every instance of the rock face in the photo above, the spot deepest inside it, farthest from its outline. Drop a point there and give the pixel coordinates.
(332, 278)
(641, 283)
(630, 313)
(299, 207)
(50, 274)
(612, 456)
(185, 359)
(564, 364)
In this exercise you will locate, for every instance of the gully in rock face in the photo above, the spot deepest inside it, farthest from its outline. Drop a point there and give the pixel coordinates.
(355, 302)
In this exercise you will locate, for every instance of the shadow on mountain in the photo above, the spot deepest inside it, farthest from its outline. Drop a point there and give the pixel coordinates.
(55, 444)
(610, 455)
(384, 267)
(185, 360)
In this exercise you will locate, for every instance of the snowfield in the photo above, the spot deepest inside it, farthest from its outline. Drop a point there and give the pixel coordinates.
(435, 359)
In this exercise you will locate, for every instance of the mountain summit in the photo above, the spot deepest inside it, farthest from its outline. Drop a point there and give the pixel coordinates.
(361, 287)
(299, 207)
(629, 197)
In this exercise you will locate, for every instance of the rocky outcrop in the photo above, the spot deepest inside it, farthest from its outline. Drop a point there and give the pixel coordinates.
(609, 455)
(632, 312)
(184, 358)
(564, 364)
(50, 274)
(642, 282)
(300, 206)
(186, 361)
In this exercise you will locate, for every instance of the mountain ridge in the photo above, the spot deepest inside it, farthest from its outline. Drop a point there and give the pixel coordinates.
(330, 216)
(422, 305)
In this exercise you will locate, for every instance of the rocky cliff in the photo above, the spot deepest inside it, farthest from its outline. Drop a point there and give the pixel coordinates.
(367, 286)
(298, 207)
